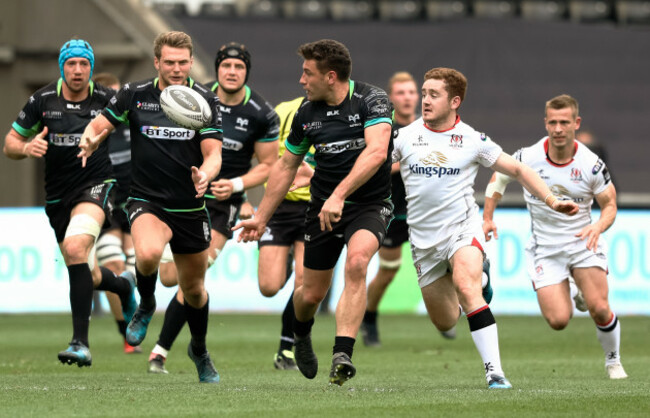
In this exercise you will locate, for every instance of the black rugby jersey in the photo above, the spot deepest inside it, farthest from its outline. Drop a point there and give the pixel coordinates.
(65, 122)
(162, 153)
(119, 152)
(337, 134)
(253, 120)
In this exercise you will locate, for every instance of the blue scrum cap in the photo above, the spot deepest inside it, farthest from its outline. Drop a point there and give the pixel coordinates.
(76, 48)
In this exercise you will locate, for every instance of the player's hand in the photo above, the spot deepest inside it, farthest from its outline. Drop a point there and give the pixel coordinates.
(330, 213)
(568, 207)
(37, 147)
(246, 211)
(490, 229)
(591, 233)
(200, 180)
(89, 144)
(221, 189)
(303, 177)
(252, 230)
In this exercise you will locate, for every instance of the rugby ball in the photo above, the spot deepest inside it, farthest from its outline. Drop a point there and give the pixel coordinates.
(185, 107)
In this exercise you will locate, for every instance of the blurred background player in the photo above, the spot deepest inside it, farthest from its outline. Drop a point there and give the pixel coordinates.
(439, 158)
(77, 199)
(283, 242)
(115, 245)
(561, 246)
(250, 126)
(169, 179)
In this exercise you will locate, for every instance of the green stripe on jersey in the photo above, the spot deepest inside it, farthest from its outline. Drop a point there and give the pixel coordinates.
(27, 133)
(376, 121)
(298, 149)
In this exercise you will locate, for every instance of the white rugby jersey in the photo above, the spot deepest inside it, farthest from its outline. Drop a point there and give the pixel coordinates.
(438, 169)
(579, 180)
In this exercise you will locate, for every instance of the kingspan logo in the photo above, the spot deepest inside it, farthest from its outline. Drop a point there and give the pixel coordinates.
(161, 132)
(433, 166)
(341, 146)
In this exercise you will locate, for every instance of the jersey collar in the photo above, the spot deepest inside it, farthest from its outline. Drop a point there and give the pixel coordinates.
(247, 97)
(456, 122)
(554, 164)
(59, 87)
(190, 82)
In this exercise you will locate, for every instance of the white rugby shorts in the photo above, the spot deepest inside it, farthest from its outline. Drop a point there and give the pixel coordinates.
(433, 263)
(549, 265)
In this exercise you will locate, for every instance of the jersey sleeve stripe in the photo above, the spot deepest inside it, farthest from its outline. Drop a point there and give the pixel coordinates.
(300, 149)
(122, 118)
(275, 138)
(27, 133)
(372, 122)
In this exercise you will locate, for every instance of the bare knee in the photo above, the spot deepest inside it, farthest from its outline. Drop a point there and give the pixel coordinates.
(356, 266)
(600, 312)
(168, 274)
(558, 323)
(147, 260)
(268, 290)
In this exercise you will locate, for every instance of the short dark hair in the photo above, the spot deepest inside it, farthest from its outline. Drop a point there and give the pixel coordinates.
(330, 55)
(455, 81)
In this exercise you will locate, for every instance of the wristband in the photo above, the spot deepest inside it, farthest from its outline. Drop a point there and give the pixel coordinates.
(552, 201)
(237, 185)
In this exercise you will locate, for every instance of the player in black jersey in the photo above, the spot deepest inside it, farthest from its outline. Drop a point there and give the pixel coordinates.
(77, 200)
(250, 126)
(349, 124)
(171, 171)
(403, 94)
(115, 246)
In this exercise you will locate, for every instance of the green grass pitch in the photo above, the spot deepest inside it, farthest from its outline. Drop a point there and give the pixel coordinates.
(415, 373)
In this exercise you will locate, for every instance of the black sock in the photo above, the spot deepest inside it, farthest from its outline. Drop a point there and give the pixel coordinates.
(302, 329)
(173, 323)
(121, 326)
(197, 320)
(116, 284)
(343, 344)
(81, 300)
(146, 288)
(370, 317)
(286, 337)
(480, 319)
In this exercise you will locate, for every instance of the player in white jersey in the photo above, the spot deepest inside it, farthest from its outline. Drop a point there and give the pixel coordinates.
(561, 247)
(439, 157)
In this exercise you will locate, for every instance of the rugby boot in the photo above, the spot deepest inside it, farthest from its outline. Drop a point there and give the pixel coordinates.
(305, 357)
(204, 366)
(76, 353)
(137, 328)
(342, 369)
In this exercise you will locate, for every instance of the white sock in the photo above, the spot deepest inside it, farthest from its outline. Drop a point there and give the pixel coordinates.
(486, 340)
(573, 291)
(484, 280)
(159, 350)
(609, 335)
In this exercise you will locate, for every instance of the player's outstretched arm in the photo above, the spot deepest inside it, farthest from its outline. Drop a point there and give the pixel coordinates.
(281, 177)
(529, 179)
(493, 193)
(607, 202)
(96, 131)
(18, 147)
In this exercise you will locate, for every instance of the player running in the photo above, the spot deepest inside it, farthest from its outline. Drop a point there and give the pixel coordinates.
(171, 170)
(561, 247)
(349, 124)
(439, 158)
(250, 126)
(77, 200)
